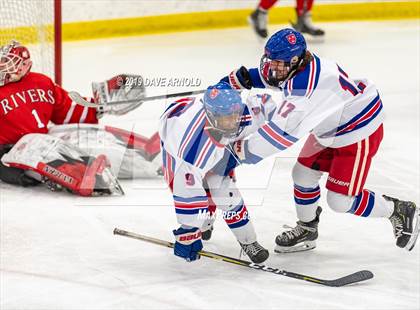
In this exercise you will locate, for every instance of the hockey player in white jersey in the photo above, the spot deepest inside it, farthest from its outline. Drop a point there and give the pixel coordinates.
(197, 160)
(343, 118)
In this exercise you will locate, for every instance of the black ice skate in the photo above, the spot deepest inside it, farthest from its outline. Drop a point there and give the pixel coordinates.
(255, 252)
(304, 25)
(258, 21)
(405, 221)
(206, 235)
(300, 238)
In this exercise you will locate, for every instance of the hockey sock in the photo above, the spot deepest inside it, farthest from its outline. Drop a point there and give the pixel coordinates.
(371, 204)
(266, 4)
(303, 6)
(238, 221)
(306, 201)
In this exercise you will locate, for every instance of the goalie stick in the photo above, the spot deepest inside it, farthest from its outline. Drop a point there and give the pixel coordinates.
(77, 98)
(349, 279)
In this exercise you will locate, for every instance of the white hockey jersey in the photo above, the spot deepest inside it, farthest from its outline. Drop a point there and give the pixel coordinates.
(189, 151)
(321, 99)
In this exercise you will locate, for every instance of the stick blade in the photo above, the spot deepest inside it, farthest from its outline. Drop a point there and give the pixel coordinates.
(356, 277)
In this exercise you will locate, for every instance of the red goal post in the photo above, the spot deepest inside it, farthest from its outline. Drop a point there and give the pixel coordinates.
(37, 24)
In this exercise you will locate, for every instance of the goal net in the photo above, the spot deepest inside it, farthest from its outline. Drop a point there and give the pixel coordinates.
(36, 24)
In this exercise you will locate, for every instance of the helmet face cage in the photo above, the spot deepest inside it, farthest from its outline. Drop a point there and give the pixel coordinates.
(15, 62)
(228, 124)
(277, 71)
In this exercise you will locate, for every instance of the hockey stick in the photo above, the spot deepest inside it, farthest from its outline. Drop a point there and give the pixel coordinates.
(349, 279)
(77, 98)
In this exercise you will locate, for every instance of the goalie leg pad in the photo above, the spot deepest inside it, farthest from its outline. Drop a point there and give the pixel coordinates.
(64, 164)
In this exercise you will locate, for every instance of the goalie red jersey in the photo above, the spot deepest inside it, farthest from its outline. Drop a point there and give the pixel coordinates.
(27, 106)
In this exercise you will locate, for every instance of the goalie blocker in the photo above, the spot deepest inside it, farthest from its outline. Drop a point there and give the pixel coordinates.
(63, 165)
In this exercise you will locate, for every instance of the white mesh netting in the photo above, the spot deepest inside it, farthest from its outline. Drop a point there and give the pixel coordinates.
(31, 22)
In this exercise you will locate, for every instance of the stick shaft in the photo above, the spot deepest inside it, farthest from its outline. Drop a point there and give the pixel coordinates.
(76, 97)
(349, 279)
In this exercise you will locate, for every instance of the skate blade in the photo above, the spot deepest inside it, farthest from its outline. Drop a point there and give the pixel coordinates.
(412, 242)
(306, 246)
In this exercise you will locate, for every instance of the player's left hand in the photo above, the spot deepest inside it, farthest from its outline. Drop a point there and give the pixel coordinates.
(188, 243)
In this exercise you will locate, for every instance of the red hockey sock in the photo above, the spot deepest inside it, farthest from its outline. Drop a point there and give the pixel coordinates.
(303, 6)
(266, 4)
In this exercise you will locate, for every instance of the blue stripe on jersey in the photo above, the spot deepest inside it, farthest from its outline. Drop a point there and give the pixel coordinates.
(303, 79)
(301, 82)
(187, 132)
(195, 145)
(271, 114)
(245, 114)
(336, 132)
(207, 156)
(255, 78)
(273, 142)
(281, 132)
(249, 157)
(318, 71)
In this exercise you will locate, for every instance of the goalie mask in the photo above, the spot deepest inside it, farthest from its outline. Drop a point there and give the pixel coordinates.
(284, 53)
(224, 109)
(15, 62)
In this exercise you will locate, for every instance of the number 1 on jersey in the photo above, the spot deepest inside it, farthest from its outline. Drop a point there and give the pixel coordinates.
(38, 120)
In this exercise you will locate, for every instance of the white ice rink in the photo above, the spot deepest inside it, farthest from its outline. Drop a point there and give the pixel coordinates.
(58, 250)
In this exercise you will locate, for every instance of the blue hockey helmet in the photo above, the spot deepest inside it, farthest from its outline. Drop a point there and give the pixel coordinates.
(224, 108)
(284, 52)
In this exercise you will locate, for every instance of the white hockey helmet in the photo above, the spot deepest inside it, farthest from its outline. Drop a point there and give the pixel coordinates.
(15, 62)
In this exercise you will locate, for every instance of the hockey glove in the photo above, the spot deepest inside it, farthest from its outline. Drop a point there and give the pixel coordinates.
(119, 95)
(242, 153)
(188, 243)
(239, 78)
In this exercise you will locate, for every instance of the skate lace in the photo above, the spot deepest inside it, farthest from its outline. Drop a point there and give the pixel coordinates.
(252, 249)
(398, 226)
(296, 231)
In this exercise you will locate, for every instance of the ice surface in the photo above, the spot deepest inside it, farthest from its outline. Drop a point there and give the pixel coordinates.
(58, 250)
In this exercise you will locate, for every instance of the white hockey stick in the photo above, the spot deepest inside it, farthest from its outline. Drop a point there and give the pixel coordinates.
(77, 98)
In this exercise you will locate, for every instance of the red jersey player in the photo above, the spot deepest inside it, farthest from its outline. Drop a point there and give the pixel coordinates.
(258, 18)
(29, 101)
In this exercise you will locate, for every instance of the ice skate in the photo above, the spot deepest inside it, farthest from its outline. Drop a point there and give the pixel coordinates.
(405, 221)
(304, 25)
(255, 252)
(258, 20)
(300, 238)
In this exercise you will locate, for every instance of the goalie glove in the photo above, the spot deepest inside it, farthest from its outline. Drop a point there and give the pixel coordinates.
(119, 95)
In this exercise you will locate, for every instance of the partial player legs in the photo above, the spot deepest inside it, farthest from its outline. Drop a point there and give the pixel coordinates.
(228, 199)
(258, 19)
(348, 168)
(306, 194)
(304, 18)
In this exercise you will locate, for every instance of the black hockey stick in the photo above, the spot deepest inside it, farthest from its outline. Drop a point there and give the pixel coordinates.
(77, 98)
(349, 279)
